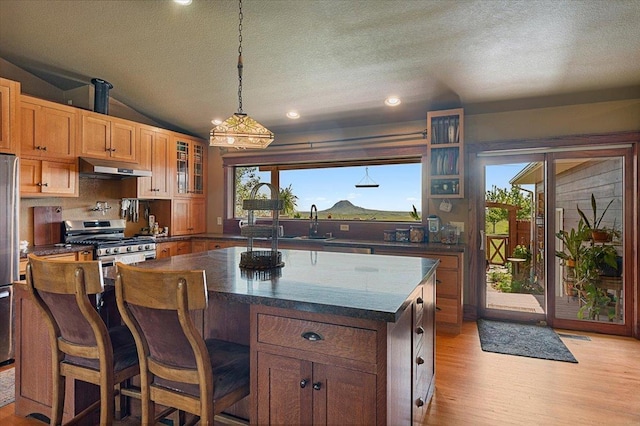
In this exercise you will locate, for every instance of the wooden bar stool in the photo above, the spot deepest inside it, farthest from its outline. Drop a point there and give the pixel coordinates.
(82, 346)
(178, 367)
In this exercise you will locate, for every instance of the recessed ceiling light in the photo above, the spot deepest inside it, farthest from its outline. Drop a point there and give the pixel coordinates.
(392, 101)
(183, 2)
(293, 115)
(216, 121)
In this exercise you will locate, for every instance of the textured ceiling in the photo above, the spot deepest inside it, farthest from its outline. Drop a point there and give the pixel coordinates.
(334, 61)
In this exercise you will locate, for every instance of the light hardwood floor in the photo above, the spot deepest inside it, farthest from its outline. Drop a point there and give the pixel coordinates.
(481, 388)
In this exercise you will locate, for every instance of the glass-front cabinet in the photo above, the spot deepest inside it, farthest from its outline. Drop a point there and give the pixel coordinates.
(445, 143)
(190, 163)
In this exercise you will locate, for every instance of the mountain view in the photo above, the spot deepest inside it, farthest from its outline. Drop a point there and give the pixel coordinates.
(344, 209)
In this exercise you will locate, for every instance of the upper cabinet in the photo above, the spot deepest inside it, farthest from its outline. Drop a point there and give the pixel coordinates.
(42, 178)
(103, 136)
(155, 155)
(445, 143)
(190, 159)
(47, 129)
(9, 93)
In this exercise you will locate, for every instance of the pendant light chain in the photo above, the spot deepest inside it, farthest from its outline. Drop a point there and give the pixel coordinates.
(240, 59)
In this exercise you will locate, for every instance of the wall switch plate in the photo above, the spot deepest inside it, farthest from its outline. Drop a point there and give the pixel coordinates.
(219, 220)
(344, 227)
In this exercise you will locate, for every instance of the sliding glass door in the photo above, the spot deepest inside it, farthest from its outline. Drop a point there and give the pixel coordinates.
(541, 257)
(514, 282)
(591, 208)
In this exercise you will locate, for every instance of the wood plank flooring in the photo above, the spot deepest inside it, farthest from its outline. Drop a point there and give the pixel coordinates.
(482, 388)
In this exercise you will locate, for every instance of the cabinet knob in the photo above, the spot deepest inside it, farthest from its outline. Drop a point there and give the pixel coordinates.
(419, 402)
(303, 383)
(42, 184)
(317, 386)
(420, 330)
(419, 360)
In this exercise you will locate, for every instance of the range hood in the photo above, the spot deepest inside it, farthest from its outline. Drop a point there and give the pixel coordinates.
(109, 169)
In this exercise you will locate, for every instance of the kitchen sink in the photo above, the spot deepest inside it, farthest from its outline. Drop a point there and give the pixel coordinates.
(306, 237)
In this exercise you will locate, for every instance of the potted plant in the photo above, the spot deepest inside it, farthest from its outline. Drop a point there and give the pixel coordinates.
(597, 233)
(572, 240)
(593, 259)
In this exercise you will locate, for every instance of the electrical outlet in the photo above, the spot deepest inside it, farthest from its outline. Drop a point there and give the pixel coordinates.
(344, 227)
(459, 225)
(219, 220)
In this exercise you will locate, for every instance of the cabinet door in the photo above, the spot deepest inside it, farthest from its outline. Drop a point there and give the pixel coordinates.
(123, 140)
(96, 135)
(342, 396)
(183, 247)
(197, 216)
(285, 390)
(166, 249)
(180, 217)
(59, 178)
(30, 176)
(161, 165)
(9, 93)
(28, 130)
(58, 132)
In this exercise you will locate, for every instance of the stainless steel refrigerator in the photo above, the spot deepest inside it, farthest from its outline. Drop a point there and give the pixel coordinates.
(9, 250)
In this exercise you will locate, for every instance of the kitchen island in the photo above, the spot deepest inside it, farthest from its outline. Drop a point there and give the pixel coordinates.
(335, 338)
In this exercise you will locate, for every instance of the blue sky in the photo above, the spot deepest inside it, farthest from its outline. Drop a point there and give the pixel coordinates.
(399, 188)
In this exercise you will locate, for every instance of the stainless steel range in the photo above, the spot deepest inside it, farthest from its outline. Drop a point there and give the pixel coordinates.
(110, 244)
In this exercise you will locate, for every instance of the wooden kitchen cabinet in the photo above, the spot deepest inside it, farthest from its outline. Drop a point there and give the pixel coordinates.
(449, 293)
(311, 368)
(325, 395)
(103, 136)
(190, 165)
(445, 146)
(183, 247)
(41, 178)
(188, 216)
(314, 387)
(166, 249)
(155, 156)
(9, 123)
(47, 129)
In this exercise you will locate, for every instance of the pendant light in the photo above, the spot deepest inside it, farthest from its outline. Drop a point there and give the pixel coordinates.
(366, 182)
(240, 130)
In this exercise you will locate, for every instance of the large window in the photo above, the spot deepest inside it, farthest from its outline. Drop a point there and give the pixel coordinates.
(345, 192)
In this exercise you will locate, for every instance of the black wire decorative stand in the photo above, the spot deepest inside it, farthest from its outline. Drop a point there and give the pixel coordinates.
(261, 259)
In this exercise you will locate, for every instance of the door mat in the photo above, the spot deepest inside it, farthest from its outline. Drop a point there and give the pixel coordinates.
(7, 386)
(528, 340)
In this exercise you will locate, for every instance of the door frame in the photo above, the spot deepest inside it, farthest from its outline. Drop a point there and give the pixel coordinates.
(576, 143)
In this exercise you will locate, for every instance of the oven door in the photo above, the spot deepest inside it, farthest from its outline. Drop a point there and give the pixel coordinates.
(127, 258)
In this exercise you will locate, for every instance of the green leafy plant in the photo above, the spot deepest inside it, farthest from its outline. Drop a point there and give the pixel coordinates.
(596, 220)
(572, 240)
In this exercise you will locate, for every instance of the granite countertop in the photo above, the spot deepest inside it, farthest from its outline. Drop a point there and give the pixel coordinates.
(355, 285)
(52, 249)
(343, 242)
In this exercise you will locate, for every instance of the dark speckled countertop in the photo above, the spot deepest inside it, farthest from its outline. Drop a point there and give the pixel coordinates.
(355, 285)
(54, 249)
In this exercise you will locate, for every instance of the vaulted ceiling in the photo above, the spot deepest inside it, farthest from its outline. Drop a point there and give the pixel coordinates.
(333, 61)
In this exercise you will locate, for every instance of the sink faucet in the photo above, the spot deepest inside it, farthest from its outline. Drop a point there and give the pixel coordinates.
(313, 226)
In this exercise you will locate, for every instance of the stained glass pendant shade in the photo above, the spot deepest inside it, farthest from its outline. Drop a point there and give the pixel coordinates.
(240, 130)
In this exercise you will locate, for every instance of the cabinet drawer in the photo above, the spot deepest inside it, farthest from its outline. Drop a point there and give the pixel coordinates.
(447, 283)
(447, 262)
(335, 340)
(448, 310)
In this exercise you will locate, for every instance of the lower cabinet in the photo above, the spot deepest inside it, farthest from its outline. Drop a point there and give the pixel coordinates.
(304, 392)
(310, 368)
(167, 249)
